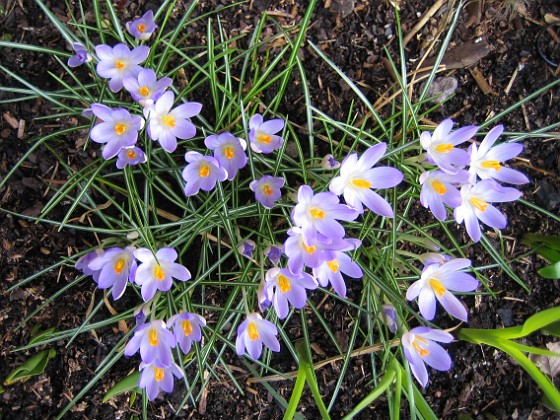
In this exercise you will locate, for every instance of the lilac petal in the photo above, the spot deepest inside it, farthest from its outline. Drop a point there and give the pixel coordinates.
(372, 155)
(462, 134)
(179, 272)
(272, 126)
(414, 290)
(148, 291)
(456, 264)
(280, 305)
(269, 340)
(115, 84)
(376, 203)
(427, 303)
(338, 284)
(104, 52)
(490, 139)
(436, 335)
(511, 176)
(138, 54)
(188, 110)
(453, 306)
(443, 129)
(438, 358)
(167, 254)
(504, 151)
(461, 282)
(254, 347)
(184, 129)
(384, 177)
(101, 111)
(417, 367)
(255, 120)
(143, 254)
(168, 141)
(297, 297)
(472, 226)
(492, 217)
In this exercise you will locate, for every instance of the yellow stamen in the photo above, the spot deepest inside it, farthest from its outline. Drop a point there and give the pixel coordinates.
(317, 214)
(168, 120)
(187, 327)
(252, 331)
(439, 187)
(153, 338)
(141, 27)
(310, 249)
(444, 148)
(422, 352)
(333, 265)
(159, 373)
(493, 164)
(229, 152)
(361, 183)
(144, 91)
(119, 65)
(479, 203)
(119, 265)
(284, 283)
(159, 273)
(267, 190)
(263, 138)
(131, 154)
(437, 287)
(120, 128)
(204, 171)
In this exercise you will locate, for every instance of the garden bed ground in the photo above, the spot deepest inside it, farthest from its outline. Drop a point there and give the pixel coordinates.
(482, 384)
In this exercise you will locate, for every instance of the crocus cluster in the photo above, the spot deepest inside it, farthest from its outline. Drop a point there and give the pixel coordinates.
(466, 180)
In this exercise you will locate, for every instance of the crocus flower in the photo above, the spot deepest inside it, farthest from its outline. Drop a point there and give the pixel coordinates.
(358, 177)
(187, 328)
(267, 190)
(83, 263)
(388, 315)
(486, 160)
(331, 272)
(80, 57)
(262, 134)
(252, 333)
(155, 376)
(145, 87)
(434, 258)
(202, 172)
(141, 313)
(263, 299)
(143, 27)
(246, 248)
(440, 146)
(436, 282)
(130, 156)
(273, 252)
(282, 286)
(166, 125)
(229, 151)
(154, 341)
(329, 162)
(156, 272)
(116, 267)
(439, 189)
(115, 63)
(420, 348)
(118, 129)
(476, 206)
(319, 214)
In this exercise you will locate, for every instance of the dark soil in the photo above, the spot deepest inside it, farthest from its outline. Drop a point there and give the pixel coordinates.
(483, 383)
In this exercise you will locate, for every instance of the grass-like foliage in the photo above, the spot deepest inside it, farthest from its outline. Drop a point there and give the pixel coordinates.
(225, 224)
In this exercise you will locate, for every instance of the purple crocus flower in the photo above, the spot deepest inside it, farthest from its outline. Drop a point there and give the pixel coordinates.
(229, 151)
(141, 313)
(187, 328)
(476, 206)
(154, 341)
(145, 87)
(262, 134)
(83, 263)
(329, 162)
(156, 272)
(116, 267)
(166, 125)
(331, 272)
(267, 190)
(118, 129)
(358, 177)
(154, 376)
(439, 189)
(389, 317)
(282, 286)
(130, 156)
(246, 248)
(486, 160)
(143, 27)
(115, 63)
(436, 282)
(263, 299)
(319, 214)
(252, 333)
(274, 253)
(440, 146)
(81, 55)
(202, 172)
(420, 348)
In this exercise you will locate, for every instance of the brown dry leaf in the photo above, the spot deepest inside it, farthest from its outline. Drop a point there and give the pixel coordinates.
(549, 365)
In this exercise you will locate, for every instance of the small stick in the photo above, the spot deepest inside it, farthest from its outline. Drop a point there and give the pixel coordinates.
(423, 20)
